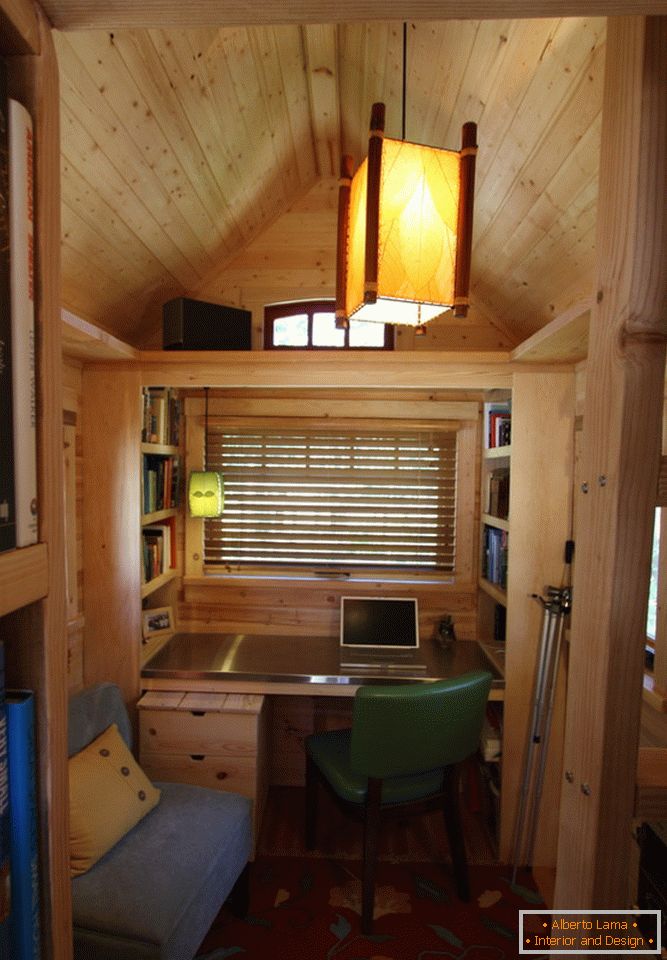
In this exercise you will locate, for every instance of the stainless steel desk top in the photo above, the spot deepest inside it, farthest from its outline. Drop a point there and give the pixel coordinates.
(307, 660)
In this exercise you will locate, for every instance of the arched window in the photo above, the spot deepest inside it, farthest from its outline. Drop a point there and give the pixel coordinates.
(311, 325)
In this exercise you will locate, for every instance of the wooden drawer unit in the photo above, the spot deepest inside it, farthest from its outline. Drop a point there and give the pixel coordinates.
(208, 739)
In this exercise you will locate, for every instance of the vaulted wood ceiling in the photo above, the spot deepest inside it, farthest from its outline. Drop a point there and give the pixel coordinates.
(204, 161)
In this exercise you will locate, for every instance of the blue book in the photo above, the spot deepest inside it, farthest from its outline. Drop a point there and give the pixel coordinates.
(24, 929)
(4, 817)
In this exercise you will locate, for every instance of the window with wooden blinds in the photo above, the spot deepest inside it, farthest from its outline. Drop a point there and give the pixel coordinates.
(335, 499)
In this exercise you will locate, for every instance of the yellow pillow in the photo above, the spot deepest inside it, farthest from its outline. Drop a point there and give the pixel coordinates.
(108, 795)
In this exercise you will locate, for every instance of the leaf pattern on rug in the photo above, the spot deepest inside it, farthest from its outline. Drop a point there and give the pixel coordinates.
(387, 899)
(309, 909)
(446, 934)
(428, 889)
(500, 928)
(488, 898)
(530, 896)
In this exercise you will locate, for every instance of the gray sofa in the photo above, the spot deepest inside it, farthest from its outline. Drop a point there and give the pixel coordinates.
(154, 895)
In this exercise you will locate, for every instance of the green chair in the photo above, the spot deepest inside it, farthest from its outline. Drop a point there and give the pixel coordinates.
(402, 754)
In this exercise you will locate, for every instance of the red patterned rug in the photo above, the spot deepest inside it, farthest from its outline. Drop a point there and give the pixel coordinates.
(309, 909)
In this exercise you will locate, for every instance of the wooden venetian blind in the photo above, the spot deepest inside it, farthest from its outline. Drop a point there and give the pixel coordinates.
(334, 499)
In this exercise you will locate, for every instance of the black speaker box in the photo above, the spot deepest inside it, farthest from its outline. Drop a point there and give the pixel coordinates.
(196, 325)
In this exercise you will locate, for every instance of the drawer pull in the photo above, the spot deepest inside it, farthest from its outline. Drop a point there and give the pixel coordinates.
(221, 775)
(197, 756)
(152, 731)
(198, 713)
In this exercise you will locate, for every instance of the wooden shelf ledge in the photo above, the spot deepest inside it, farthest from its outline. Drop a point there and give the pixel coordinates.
(23, 577)
(498, 594)
(490, 521)
(148, 518)
(157, 582)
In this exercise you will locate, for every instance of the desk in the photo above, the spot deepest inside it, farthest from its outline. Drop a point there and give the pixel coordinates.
(231, 711)
(302, 666)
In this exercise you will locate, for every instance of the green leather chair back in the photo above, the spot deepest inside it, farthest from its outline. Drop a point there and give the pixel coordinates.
(410, 728)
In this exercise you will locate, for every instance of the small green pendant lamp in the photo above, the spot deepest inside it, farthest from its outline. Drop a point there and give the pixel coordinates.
(206, 496)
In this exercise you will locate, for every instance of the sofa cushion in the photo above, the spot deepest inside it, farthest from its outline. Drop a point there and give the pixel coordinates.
(161, 886)
(109, 793)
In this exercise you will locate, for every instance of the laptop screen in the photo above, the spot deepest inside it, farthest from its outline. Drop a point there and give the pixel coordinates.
(381, 623)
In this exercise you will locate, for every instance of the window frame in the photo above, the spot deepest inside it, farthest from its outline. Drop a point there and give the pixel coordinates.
(274, 311)
(317, 466)
(465, 567)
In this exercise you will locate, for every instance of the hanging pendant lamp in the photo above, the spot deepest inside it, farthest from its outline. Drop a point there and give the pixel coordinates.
(405, 229)
(205, 487)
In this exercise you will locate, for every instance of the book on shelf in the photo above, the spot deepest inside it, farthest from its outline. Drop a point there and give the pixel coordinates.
(24, 928)
(494, 556)
(7, 505)
(21, 237)
(161, 417)
(158, 548)
(4, 816)
(499, 493)
(160, 482)
(497, 424)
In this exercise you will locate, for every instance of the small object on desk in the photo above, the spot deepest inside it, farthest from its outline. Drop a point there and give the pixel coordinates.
(444, 633)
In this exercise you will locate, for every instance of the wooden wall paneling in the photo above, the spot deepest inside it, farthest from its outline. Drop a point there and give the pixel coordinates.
(467, 500)
(37, 649)
(292, 721)
(361, 406)
(193, 555)
(621, 445)
(540, 511)
(111, 427)
(310, 608)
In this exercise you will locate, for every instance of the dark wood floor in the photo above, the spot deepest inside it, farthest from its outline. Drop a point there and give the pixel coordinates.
(415, 839)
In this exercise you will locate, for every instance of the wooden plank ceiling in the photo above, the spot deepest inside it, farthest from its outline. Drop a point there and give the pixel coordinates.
(203, 161)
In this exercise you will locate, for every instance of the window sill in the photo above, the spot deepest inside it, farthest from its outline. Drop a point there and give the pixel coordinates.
(416, 578)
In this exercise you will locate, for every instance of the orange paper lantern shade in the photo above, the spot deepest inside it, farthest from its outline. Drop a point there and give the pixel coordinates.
(405, 230)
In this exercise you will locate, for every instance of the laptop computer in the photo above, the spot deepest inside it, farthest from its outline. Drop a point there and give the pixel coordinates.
(379, 633)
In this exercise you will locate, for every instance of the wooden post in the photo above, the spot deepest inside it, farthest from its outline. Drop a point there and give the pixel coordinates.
(111, 431)
(345, 183)
(620, 458)
(464, 227)
(375, 138)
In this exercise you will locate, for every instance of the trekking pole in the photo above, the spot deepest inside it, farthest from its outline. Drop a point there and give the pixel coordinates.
(558, 610)
(555, 607)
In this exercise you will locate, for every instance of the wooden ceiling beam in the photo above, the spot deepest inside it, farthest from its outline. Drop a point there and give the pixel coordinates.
(127, 14)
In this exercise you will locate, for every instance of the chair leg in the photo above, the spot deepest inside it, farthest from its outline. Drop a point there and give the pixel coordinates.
(454, 830)
(311, 802)
(371, 833)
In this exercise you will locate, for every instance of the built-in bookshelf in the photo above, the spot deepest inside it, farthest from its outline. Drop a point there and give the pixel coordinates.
(160, 488)
(495, 523)
(492, 605)
(33, 631)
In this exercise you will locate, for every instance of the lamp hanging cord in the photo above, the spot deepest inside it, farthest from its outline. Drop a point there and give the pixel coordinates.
(205, 428)
(405, 51)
